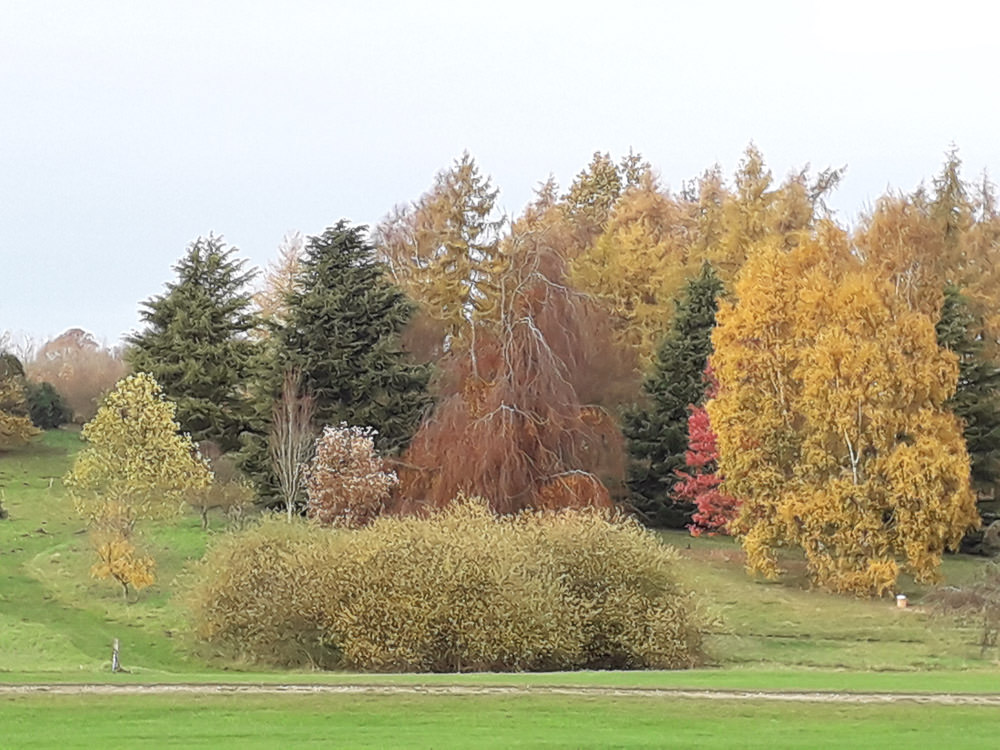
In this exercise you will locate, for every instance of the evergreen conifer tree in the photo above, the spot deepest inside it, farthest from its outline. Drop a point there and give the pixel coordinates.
(657, 434)
(196, 342)
(977, 398)
(341, 334)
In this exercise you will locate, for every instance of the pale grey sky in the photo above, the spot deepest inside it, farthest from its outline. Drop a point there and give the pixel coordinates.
(127, 129)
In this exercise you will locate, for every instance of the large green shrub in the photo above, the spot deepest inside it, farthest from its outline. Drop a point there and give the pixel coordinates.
(459, 590)
(257, 594)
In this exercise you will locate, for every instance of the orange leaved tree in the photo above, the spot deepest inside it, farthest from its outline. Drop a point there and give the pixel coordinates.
(511, 426)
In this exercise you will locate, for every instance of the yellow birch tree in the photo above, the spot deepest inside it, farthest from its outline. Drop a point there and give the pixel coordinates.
(832, 423)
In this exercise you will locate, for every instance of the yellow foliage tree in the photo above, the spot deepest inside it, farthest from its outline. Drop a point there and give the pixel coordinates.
(730, 222)
(831, 422)
(638, 264)
(279, 281)
(15, 426)
(135, 465)
(932, 238)
(118, 558)
(444, 249)
(595, 191)
(653, 242)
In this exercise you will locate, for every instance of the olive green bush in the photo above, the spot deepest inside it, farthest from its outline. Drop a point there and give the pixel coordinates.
(459, 590)
(256, 594)
(456, 591)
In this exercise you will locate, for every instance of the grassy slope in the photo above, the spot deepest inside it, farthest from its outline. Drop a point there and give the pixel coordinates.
(58, 623)
(477, 721)
(54, 616)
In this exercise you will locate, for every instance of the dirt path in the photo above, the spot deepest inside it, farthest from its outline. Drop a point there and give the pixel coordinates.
(954, 699)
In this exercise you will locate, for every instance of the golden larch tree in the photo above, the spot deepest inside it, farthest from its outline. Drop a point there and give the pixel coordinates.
(653, 241)
(444, 251)
(637, 266)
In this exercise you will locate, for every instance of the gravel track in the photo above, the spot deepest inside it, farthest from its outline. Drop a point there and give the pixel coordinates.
(951, 699)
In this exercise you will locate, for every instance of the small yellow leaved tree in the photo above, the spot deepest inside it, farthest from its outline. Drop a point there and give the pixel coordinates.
(118, 559)
(135, 466)
(831, 421)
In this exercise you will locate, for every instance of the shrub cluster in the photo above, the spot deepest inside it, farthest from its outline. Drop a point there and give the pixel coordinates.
(46, 406)
(460, 590)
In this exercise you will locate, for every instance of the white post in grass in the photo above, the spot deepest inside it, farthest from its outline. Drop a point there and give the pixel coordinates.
(115, 664)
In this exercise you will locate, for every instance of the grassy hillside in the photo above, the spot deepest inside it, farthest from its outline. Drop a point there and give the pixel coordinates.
(58, 622)
(54, 615)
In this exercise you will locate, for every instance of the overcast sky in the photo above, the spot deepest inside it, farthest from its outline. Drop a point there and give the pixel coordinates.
(127, 129)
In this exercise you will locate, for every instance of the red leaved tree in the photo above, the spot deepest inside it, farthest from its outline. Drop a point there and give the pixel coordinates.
(700, 484)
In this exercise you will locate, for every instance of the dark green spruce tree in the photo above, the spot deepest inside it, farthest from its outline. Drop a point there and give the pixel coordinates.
(46, 406)
(977, 398)
(342, 335)
(657, 432)
(196, 343)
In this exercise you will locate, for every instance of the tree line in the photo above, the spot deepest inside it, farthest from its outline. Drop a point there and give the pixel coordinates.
(724, 356)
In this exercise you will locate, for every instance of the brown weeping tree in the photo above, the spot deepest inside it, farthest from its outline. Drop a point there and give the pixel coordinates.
(511, 426)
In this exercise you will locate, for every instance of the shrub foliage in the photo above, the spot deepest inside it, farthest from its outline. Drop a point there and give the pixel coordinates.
(47, 408)
(459, 590)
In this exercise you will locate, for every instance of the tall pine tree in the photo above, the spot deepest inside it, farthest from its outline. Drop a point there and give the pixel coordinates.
(977, 398)
(341, 334)
(195, 343)
(657, 434)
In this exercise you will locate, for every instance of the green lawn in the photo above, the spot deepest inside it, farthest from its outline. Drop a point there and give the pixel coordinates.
(480, 721)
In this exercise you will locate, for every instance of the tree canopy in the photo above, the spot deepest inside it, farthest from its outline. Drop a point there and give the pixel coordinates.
(657, 432)
(136, 464)
(196, 342)
(832, 421)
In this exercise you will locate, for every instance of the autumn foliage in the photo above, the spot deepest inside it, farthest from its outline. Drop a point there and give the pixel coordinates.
(135, 457)
(459, 590)
(347, 482)
(701, 483)
(512, 427)
(831, 420)
(15, 424)
(80, 369)
(833, 431)
(135, 467)
(117, 558)
(444, 249)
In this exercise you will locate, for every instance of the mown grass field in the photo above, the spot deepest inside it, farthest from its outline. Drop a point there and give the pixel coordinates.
(479, 721)
(57, 624)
